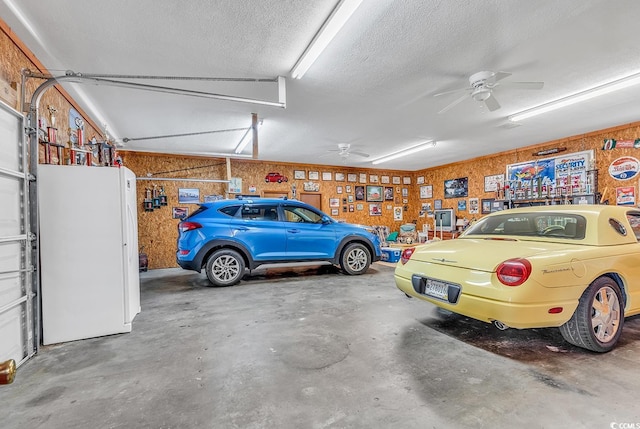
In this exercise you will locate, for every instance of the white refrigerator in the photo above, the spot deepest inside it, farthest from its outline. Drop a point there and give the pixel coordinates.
(88, 236)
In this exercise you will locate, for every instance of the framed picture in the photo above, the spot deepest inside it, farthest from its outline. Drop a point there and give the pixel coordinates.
(374, 193)
(363, 177)
(350, 198)
(437, 204)
(352, 177)
(426, 191)
(456, 188)
(375, 209)
(334, 212)
(473, 206)
(373, 178)
(486, 205)
(188, 195)
(406, 180)
(491, 182)
(339, 189)
(180, 212)
(385, 180)
(334, 202)
(299, 174)
(360, 206)
(347, 189)
(462, 205)
(359, 193)
(326, 175)
(388, 193)
(351, 208)
(339, 177)
(420, 180)
(313, 175)
(397, 213)
(235, 185)
(405, 192)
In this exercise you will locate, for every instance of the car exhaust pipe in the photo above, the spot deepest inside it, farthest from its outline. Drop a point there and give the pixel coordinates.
(498, 324)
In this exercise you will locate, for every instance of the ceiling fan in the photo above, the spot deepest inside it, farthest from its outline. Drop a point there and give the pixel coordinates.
(481, 86)
(344, 151)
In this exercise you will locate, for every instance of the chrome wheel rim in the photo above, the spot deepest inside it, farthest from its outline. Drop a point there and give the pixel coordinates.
(605, 314)
(357, 259)
(225, 268)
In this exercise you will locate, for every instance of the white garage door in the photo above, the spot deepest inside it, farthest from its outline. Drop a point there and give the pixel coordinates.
(17, 327)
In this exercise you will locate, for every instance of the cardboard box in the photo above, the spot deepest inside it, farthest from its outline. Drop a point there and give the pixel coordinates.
(390, 254)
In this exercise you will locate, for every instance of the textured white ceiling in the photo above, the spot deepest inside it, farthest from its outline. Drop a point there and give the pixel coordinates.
(372, 87)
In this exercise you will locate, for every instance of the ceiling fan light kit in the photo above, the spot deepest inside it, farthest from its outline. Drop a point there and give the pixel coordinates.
(578, 97)
(409, 151)
(339, 16)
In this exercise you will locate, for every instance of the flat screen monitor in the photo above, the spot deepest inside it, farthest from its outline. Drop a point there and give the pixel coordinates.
(445, 219)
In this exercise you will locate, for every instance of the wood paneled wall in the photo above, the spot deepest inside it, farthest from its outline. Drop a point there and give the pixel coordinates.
(158, 230)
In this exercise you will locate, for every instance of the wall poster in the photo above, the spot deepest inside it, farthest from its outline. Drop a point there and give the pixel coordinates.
(554, 174)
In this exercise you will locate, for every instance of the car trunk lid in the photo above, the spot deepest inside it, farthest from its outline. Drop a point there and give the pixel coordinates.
(483, 254)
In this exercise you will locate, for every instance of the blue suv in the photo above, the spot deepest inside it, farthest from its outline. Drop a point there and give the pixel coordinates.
(225, 237)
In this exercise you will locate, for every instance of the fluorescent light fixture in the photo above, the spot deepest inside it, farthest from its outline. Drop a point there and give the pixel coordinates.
(246, 138)
(405, 152)
(339, 16)
(579, 97)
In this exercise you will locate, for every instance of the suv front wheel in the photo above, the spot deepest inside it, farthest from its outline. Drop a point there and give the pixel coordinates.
(355, 259)
(225, 267)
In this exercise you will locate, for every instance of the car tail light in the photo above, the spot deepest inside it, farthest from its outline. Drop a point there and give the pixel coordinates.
(188, 226)
(514, 272)
(406, 254)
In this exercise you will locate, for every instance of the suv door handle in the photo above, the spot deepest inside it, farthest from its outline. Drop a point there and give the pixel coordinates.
(242, 228)
(293, 231)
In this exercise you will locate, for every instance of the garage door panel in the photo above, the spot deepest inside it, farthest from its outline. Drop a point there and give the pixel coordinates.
(18, 324)
(12, 332)
(11, 256)
(10, 134)
(10, 222)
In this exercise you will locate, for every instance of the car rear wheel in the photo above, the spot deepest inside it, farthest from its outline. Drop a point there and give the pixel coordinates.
(225, 267)
(355, 259)
(597, 322)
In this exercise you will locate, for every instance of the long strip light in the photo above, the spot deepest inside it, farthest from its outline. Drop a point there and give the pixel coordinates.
(339, 16)
(246, 138)
(411, 150)
(579, 97)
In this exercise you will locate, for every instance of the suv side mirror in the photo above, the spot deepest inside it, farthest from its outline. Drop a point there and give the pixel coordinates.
(326, 219)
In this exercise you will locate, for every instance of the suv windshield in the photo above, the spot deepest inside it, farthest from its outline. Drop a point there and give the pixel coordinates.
(561, 225)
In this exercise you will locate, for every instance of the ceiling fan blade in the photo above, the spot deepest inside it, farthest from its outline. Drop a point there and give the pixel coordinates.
(453, 91)
(455, 102)
(500, 75)
(491, 103)
(523, 85)
(365, 155)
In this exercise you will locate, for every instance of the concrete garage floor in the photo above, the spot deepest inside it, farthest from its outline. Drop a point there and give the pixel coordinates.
(318, 349)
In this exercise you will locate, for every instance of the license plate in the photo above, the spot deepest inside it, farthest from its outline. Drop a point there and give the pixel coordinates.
(437, 289)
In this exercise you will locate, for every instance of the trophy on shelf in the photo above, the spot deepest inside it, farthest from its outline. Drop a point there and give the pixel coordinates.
(156, 197)
(163, 196)
(51, 130)
(148, 202)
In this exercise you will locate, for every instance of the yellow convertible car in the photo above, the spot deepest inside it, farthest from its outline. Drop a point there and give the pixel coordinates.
(576, 267)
